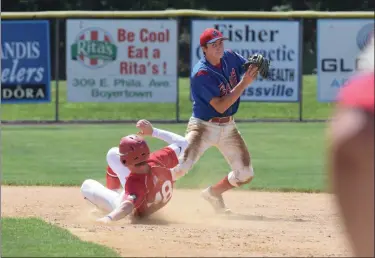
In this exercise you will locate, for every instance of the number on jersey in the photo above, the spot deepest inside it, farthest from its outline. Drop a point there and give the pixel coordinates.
(165, 194)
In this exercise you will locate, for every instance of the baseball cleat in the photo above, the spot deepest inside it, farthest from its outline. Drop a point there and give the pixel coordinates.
(216, 201)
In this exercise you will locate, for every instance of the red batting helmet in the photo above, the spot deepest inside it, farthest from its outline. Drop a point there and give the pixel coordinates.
(133, 149)
(210, 35)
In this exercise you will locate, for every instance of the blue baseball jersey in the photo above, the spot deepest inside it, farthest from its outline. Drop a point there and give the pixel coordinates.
(208, 81)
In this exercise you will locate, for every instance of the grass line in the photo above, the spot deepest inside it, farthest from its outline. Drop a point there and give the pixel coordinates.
(285, 156)
(33, 237)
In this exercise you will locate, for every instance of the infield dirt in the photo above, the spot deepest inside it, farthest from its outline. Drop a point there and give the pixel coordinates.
(263, 224)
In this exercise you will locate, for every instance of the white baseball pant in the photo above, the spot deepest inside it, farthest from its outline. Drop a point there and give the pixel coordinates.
(100, 196)
(201, 135)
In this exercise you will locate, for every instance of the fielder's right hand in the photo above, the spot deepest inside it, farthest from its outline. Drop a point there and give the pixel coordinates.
(250, 75)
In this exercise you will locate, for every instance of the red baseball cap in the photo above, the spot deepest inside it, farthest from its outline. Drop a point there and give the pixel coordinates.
(210, 35)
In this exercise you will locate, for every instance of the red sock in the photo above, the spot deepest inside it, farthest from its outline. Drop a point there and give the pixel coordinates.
(112, 181)
(222, 186)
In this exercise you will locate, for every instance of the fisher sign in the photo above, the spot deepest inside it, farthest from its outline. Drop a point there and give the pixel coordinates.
(25, 62)
(279, 41)
(121, 60)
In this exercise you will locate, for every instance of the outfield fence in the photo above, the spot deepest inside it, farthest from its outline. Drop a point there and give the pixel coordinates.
(120, 66)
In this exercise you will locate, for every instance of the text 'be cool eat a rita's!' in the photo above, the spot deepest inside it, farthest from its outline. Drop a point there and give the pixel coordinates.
(121, 60)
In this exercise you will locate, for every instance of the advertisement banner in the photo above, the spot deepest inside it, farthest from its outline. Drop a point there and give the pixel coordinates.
(338, 43)
(121, 60)
(25, 62)
(279, 41)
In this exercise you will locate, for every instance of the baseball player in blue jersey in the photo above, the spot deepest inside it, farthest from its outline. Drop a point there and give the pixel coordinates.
(217, 82)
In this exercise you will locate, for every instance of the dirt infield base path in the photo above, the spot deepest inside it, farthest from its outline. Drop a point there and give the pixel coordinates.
(265, 224)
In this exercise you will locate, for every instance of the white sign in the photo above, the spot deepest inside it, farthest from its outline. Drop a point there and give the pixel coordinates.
(121, 60)
(279, 41)
(339, 43)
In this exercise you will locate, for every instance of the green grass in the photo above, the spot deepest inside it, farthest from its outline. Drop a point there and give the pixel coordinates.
(112, 111)
(31, 237)
(285, 155)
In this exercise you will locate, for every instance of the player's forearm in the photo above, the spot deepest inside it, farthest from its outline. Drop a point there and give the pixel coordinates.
(169, 137)
(224, 102)
(121, 211)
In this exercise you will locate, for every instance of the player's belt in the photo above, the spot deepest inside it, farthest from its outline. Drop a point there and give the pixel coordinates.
(221, 120)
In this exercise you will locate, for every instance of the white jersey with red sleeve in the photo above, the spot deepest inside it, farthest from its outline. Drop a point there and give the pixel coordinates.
(152, 191)
(359, 93)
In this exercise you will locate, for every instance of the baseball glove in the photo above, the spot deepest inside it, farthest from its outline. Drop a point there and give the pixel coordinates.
(259, 61)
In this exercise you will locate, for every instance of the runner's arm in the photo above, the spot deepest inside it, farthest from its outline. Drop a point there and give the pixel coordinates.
(176, 142)
(134, 197)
